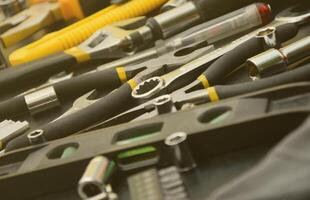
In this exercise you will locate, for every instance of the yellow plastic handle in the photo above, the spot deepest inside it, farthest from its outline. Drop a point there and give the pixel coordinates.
(77, 33)
(71, 9)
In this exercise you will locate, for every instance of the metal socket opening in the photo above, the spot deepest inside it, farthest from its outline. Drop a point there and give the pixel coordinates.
(163, 100)
(148, 88)
(91, 189)
(35, 134)
(175, 138)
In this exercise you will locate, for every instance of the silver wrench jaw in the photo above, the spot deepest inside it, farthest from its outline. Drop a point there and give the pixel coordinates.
(112, 40)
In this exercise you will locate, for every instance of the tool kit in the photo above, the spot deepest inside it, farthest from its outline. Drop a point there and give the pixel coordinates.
(154, 100)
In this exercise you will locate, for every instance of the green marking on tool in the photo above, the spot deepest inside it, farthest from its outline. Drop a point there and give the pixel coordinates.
(68, 152)
(135, 152)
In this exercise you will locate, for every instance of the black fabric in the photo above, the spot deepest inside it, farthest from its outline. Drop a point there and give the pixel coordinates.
(297, 75)
(283, 174)
(109, 106)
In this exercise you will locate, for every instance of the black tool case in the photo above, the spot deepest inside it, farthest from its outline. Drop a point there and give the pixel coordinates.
(226, 139)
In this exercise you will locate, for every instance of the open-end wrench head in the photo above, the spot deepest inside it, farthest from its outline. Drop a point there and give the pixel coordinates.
(110, 41)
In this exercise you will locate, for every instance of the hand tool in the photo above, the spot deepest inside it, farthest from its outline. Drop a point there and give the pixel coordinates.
(224, 136)
(210, 32)
(41, 15)
(77, 33)
(10, 129)
(122, 99)
(65, 91)
(277, 60)
(98, 46)
(92, 182)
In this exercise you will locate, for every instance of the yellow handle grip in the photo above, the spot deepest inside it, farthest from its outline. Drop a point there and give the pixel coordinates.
(71, 9)
(73, 36)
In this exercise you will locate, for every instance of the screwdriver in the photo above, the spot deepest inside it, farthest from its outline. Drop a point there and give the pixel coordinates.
(43, 14)
(76, 34)
(167, 24)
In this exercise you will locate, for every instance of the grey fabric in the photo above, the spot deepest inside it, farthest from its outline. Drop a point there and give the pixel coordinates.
(283, 174)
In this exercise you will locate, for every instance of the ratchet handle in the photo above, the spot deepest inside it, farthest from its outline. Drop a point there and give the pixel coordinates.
(236, 57)
(24, 76)
(109, 106)
(297, 75)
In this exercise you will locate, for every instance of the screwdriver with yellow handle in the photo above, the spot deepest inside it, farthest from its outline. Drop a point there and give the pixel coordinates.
(76, 34)
(41, 14)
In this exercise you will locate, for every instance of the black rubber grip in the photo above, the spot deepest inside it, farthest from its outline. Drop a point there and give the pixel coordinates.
(23, 76)
(236, 57)
(111, 105)
(77, 86)
(210, 9)
(12, 108)
(66, 91)
(296, 75)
